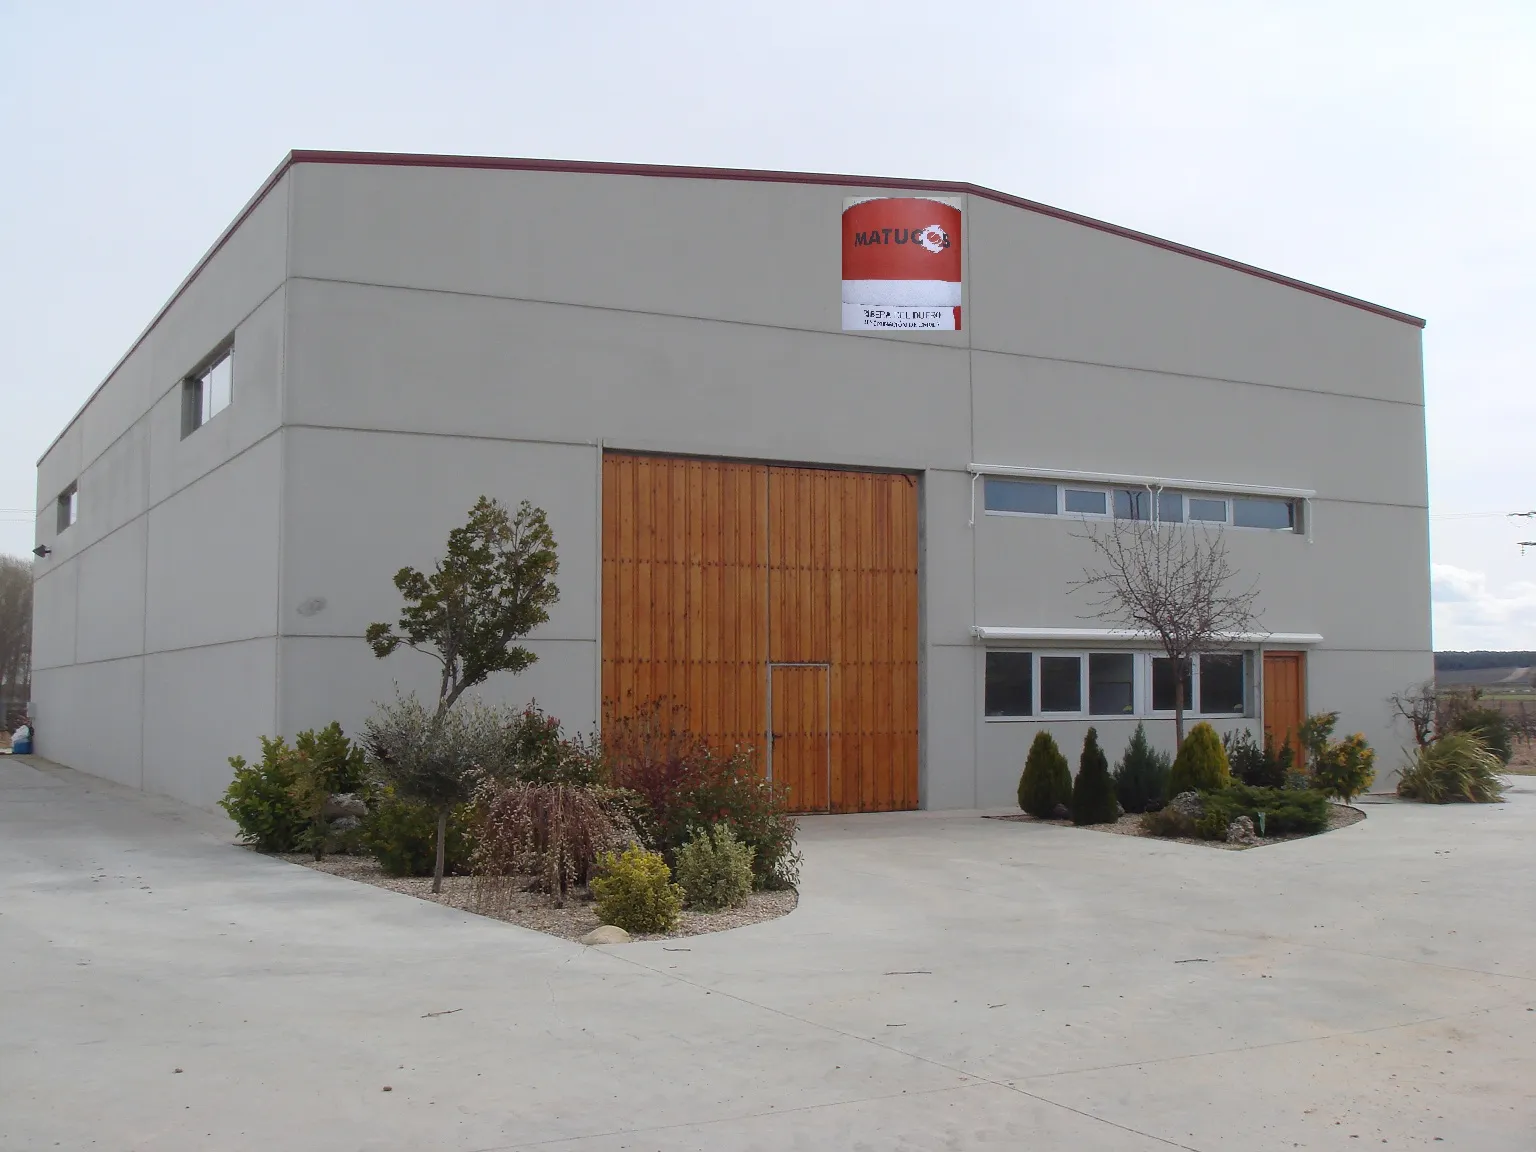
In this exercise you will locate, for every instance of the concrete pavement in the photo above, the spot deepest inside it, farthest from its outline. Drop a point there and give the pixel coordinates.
(947, 982)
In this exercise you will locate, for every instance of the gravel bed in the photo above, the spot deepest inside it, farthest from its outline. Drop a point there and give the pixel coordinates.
(536, 910)
(1339, 816)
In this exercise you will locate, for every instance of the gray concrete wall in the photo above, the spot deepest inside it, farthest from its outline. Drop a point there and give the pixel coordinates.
(154, 644)
(440, 333)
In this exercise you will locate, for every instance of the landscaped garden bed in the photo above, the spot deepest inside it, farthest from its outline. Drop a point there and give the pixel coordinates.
(533, 909)
(1129, 824)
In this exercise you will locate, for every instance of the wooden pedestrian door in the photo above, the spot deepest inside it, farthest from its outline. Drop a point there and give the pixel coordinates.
(1285, 697)
(777, 607)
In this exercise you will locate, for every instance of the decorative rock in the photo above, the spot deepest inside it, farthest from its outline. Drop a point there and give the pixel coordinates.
(345, 824)
(345, 804)
(1189, 803)
(1061, 812)
(1240, 831)
(606, 934)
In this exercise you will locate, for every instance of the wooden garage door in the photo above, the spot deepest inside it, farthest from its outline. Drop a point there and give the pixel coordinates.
(716, 573)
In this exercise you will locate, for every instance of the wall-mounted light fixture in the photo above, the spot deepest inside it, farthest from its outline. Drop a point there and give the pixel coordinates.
(42, 550)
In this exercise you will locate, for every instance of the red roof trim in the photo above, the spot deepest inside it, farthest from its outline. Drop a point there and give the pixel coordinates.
(683, 172)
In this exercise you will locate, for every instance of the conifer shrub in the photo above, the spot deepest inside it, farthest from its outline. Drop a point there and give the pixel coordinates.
(1141, 777)
(1093, 791)
(1262, 767)
(1201, 765)
(635, 892)
(1047, 779)
(1286, 812)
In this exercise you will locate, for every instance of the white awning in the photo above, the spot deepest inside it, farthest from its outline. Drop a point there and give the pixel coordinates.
(1112, 478)
(1128, 636)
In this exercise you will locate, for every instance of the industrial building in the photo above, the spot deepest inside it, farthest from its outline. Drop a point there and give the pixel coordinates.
(818, 451)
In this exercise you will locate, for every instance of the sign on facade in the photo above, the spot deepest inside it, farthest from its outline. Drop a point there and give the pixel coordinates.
(901, 263)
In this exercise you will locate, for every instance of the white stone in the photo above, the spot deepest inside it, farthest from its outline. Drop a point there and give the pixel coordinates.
(606, 934)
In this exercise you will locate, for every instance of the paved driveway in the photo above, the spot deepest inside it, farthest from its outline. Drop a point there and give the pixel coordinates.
(947, 982)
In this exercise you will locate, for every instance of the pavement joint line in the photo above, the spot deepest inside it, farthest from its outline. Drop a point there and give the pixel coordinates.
(929, 1060)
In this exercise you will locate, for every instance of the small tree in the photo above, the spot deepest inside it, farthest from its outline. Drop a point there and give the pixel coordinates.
(1046, 780)
(1093, 792)
(1201, 765)
(493, 587)
(1418, 705)
(1141, 777)
(436, 759)
(1170, 582)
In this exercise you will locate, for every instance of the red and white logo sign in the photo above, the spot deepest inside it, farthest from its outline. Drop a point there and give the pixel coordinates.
(901, 263)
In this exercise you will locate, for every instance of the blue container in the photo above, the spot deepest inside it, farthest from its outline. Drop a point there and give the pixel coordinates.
(22, 747)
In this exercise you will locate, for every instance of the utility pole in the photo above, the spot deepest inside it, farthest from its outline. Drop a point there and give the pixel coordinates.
(1524, 544)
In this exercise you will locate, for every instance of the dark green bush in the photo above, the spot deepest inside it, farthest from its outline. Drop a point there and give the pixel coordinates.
(1168, 823)
(1093, 792)
(340, 763)
(1201, 764)
(1262, 767)
(1047, 779)
(1141, 777)
(260, 799)
(402, 836)
(1493, 726)
(1212, 824)
(1286, 812)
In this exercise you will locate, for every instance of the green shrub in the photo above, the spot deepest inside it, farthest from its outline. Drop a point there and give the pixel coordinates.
(341, 764)
(260, 799)
(1093, 792)
(715, 869)
(1141, 777)
(1459, 766)
(1286, 812)
(401, 835)
(1212, 824)
(635, 891)
(1494, 728)
(1315, 733)
(1047, 779)
(1345, 769)
(1261, 767)
(1169, 823)
(1201, 765)
(685, 784)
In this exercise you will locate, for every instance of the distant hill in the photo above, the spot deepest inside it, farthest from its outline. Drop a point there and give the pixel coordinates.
(1474, 661)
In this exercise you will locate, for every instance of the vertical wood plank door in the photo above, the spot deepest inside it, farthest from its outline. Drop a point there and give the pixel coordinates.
(799, 743)
(1284, 697)
(684, 598)
(714, 570)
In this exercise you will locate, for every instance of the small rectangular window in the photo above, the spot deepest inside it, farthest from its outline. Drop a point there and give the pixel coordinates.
(1208, 508)
(1133, 504)
(1086, 501)
(1010, 684)
(1165, 684)
(1249, 512)
(1020, 496)
(1111, 683)
(1170, 507)
(68, 507)
(1222, 690)
(207, 393)
(1061, 684)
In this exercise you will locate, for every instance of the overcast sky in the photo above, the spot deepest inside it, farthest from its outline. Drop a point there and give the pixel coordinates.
(1383, 149)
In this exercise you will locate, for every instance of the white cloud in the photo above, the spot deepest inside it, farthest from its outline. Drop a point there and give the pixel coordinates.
(1471, 613)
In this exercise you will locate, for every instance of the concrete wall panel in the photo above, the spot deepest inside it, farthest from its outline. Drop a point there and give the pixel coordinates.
(89, 717)
(378, 358)
(121, 401)
(202, 706)
(114, 487)
(54, 597)
(338, 678)
(111, 610)
(213, 555)
(948, 560)
(361, 506)
(948, 779)
(1051, 288)
(1052, 414)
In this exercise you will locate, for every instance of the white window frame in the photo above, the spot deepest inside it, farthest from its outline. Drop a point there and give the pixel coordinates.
(1082, 683)
(196, 395)
(1136, 678)
(1034, 687)
(67, 508)
(1191, 706)
(1107, 493)
(1056, 515)
(1141, 685)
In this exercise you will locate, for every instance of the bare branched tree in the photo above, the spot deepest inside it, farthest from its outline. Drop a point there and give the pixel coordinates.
(1170, 582)
(1419, 706)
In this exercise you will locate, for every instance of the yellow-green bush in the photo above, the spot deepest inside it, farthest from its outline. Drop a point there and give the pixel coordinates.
(635, 891)
(1344, 768)
(1201, 765)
